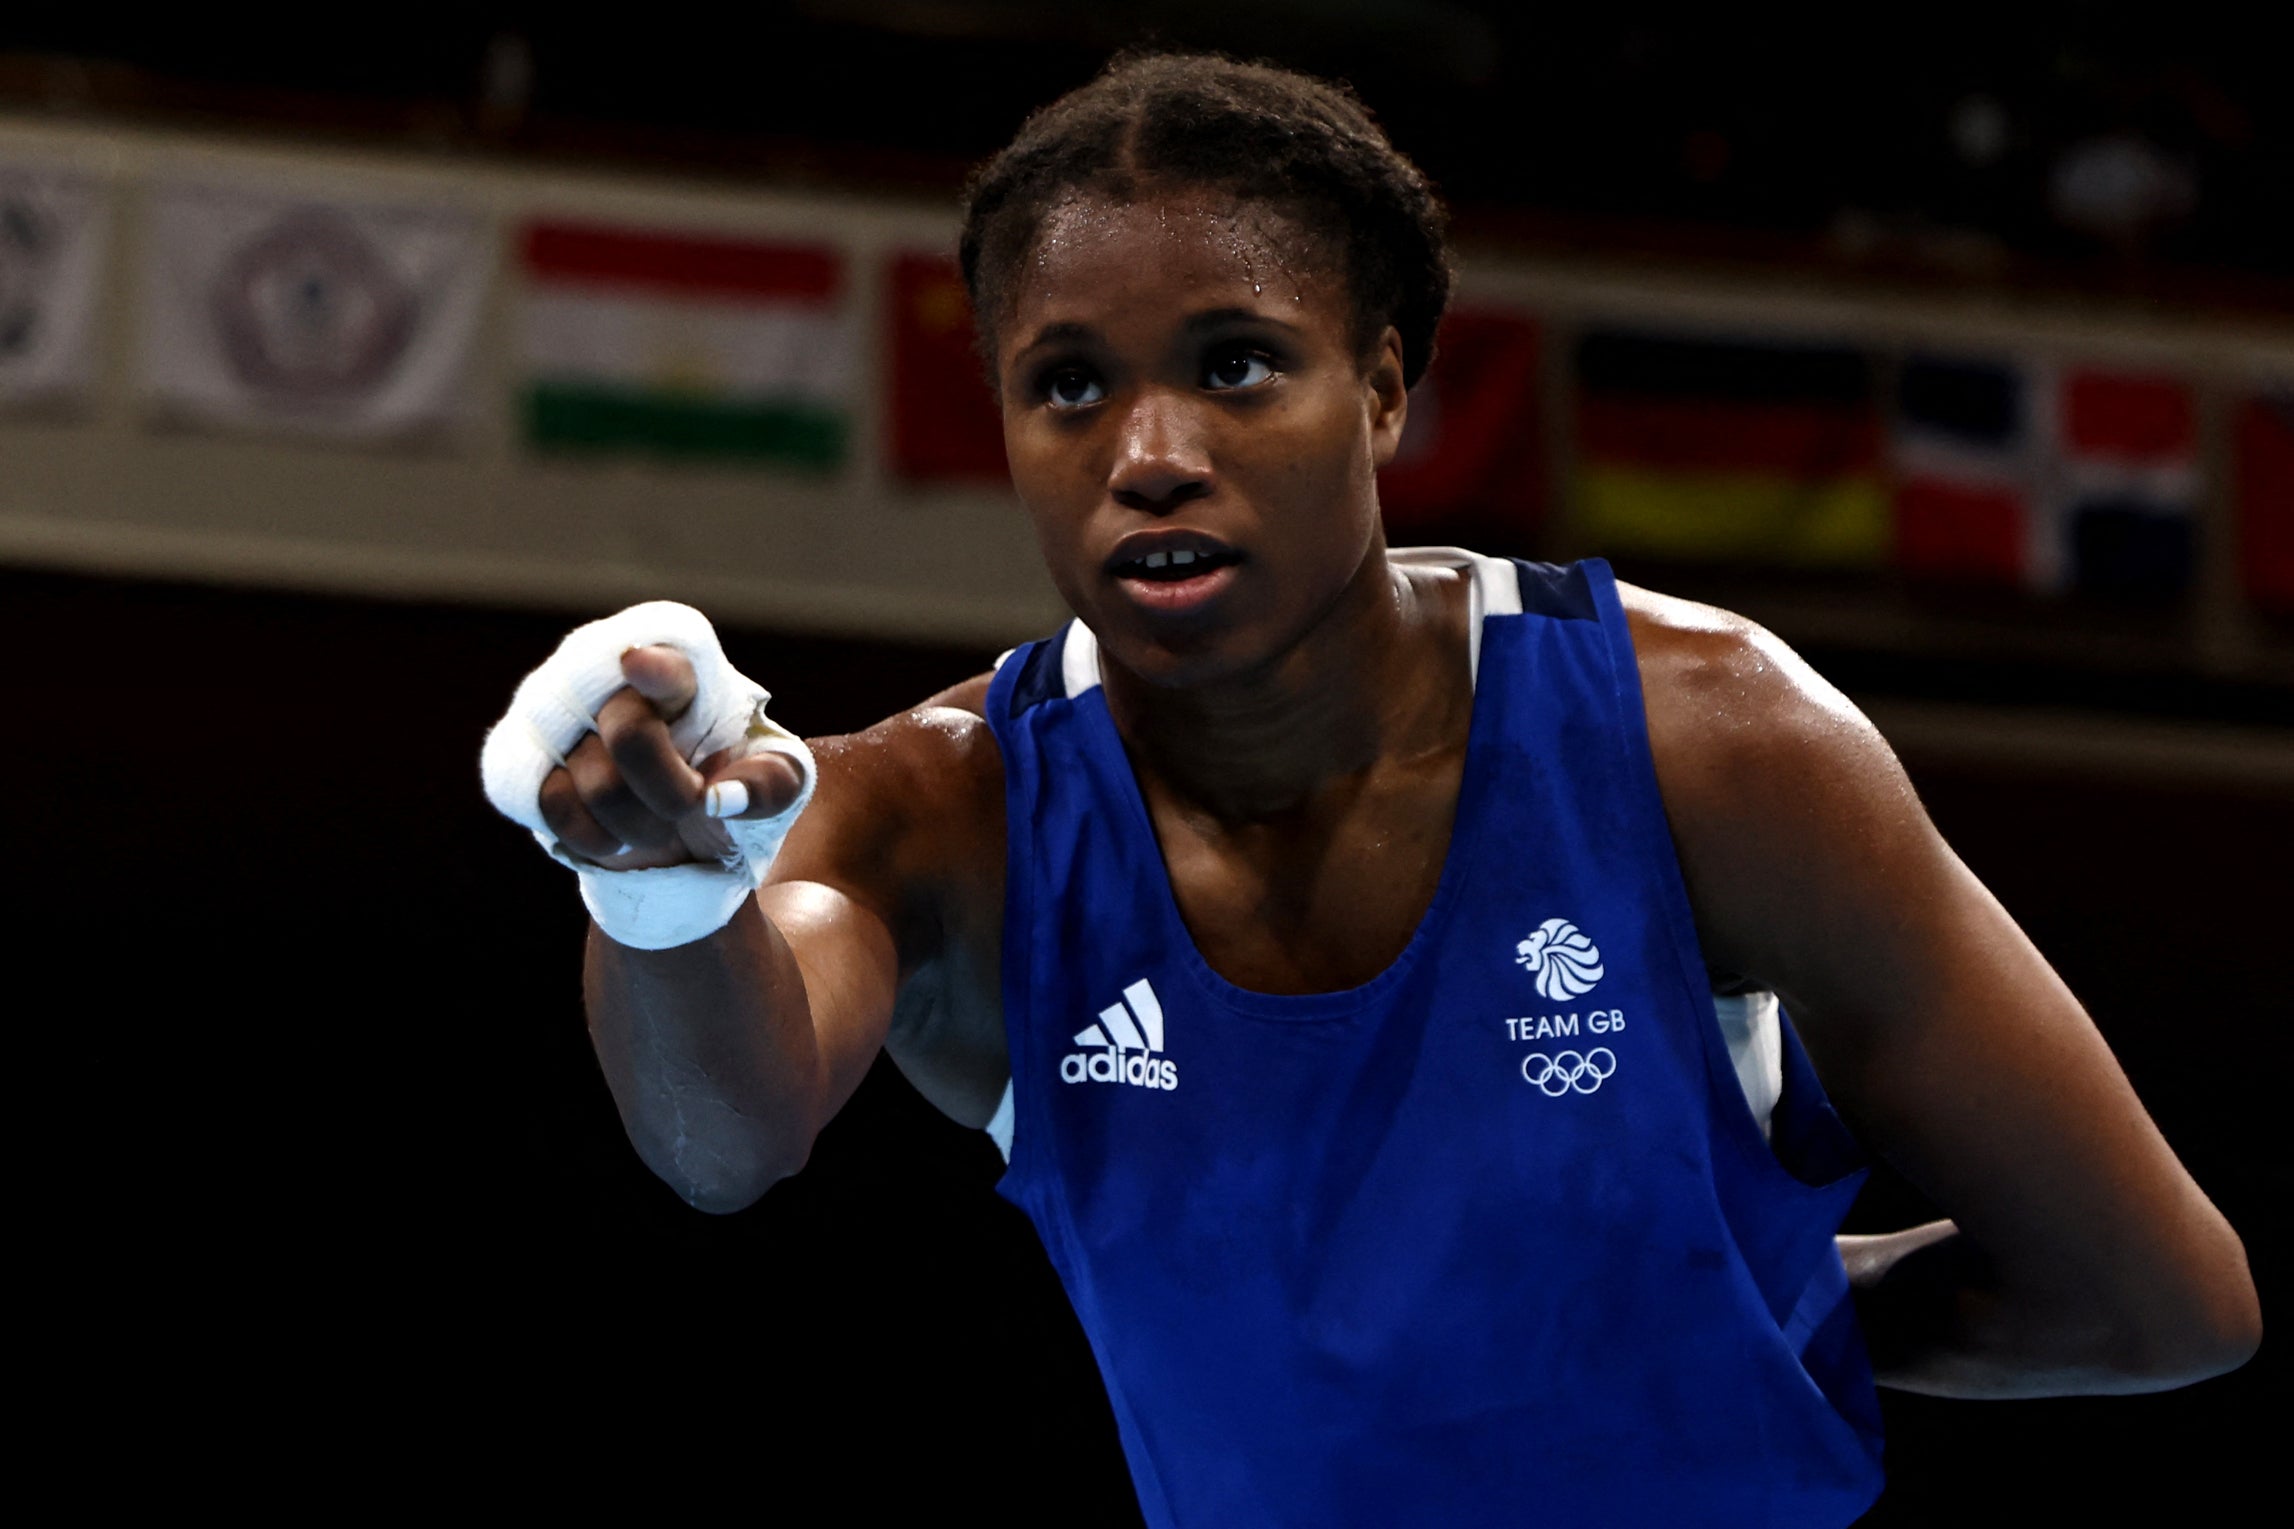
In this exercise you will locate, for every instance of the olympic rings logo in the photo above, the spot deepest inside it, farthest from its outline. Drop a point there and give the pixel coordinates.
(1554, 1076)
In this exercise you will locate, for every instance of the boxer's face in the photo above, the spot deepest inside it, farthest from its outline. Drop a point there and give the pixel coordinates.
(1193, 427)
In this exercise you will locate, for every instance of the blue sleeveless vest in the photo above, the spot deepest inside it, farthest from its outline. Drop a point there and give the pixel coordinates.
(1491, 1239)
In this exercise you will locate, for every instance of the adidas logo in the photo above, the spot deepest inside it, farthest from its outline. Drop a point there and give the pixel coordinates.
(1122, 1047)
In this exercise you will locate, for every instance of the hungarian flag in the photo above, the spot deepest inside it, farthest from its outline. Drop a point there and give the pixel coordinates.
(1739, 449)
(682, 345)
(2129, 475)
(1471, 468)
(281, 313)
(53, 228)
(1968, 450)
(944, 425)
(2266, 498)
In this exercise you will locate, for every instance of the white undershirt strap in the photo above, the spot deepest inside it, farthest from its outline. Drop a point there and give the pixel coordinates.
(1496, 589)
(1079, 661)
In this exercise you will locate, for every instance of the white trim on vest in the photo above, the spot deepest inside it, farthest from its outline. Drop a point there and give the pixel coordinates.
(1496, 590)
(1079, 660)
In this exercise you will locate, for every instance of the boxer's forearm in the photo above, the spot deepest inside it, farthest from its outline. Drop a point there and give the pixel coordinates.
(711, 1054)
(1938, 1318)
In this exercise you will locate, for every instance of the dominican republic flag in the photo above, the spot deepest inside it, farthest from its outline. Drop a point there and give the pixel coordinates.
(2128, 476)
(1744, 449)
(2266, 497)
(943, 424)
(1471, 468)
(1969, 441)
(54, 227)
(307, 314)
(685, 345)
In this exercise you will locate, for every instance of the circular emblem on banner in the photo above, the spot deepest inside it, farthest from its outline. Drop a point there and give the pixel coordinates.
(309, 311)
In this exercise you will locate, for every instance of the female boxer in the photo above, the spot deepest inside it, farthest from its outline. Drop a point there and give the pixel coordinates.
(1331, 935)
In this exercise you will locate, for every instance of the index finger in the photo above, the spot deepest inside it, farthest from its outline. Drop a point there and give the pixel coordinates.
(649, 763)
(663, 676)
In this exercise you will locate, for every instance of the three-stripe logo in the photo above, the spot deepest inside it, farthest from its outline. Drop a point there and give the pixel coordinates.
(1125, 1046)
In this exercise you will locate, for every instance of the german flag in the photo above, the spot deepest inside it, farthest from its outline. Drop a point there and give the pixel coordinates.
(1731, 449)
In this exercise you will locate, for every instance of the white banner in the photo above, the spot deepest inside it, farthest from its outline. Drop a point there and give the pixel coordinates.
(54, 226)
(269, 312)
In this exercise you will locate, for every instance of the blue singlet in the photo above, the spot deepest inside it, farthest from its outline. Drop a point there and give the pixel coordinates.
(1491, 1239)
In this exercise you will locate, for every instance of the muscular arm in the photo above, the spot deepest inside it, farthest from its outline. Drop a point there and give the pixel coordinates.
(727, 1055)
(2080, 1256)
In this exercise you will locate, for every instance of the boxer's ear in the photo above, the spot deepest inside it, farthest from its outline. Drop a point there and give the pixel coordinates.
(1387, 397)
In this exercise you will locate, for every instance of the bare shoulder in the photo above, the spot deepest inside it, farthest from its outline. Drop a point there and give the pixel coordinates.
(1788, 809)
(919, 763)
(908, 813)
(1736, 718)
(1710, 672)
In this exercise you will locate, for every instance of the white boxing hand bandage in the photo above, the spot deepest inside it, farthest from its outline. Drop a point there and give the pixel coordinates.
(557, 703)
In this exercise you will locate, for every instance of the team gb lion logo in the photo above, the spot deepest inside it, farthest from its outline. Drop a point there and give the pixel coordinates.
(1564, 962)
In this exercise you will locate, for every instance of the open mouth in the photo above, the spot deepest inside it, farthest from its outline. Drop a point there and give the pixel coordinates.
(1169, 555)
(1173, 565)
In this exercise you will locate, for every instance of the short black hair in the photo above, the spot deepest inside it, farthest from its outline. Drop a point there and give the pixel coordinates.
(1306, 147)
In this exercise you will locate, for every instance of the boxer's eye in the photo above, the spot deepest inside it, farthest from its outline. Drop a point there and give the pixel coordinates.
(1238, 366)
(1072, 387)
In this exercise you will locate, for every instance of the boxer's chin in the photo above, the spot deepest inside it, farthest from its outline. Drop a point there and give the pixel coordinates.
(1187, 659)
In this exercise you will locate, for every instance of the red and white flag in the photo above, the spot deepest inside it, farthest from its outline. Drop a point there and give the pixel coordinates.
(1969, 444)
(2127, 482)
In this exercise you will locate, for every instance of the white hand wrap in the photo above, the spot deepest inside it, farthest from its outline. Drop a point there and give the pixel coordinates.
(557, 703)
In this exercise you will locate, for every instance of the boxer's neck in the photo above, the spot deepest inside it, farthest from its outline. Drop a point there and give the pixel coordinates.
(1383, 675)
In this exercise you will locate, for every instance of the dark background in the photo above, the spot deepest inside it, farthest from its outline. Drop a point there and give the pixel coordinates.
(1918, 146)
(303, 1061)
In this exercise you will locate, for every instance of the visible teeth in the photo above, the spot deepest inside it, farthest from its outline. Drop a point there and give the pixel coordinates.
(1158, 559)
(1182, 558)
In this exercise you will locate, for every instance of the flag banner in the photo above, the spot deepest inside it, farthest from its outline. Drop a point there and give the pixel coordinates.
(1740, 449)
(272, 313)
(2128, 484)
(1969, 449)
(943, 424)
(1471, 468)
(2265, 450)
(642, 341)
(54, 229)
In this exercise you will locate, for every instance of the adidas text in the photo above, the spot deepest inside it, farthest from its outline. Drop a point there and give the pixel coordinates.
(1121, 1047)
(1117, 1067)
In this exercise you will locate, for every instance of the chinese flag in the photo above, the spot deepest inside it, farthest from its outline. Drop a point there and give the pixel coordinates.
(943, 425)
